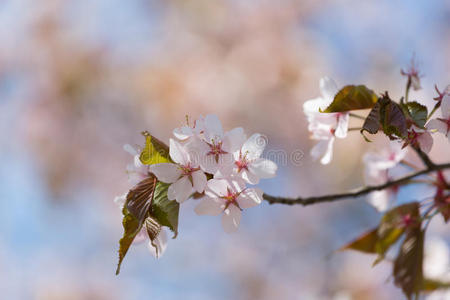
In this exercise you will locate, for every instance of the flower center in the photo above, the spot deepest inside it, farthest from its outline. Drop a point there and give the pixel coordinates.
(216, 150)
(242, 163)
(230, 199)
(188, 170)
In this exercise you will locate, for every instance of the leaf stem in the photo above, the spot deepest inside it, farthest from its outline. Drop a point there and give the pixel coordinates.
(354, 129)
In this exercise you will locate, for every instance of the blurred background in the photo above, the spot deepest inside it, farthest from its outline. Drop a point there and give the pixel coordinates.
(79, 79)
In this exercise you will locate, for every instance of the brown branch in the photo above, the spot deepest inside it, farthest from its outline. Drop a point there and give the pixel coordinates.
(356, 193)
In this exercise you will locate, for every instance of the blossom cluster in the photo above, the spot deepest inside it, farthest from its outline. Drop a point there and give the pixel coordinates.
(381, 166)
(214, 165)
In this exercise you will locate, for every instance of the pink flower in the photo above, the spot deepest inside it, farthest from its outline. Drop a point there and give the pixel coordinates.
(215, 148)
(184, 175)
(419, 138)
(248, 165)
(442, 125)
(325, 126)
(187, 131)
(228, 197)
(413, 75)
(136, 171)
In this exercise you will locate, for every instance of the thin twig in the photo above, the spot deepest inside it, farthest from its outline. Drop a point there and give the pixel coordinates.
(357, 116)
(356, 193)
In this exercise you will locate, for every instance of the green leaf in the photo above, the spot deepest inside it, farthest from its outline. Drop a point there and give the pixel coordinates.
(392, 225)
(364, 243)
(131, 226)
(430, 285)
(417, 113)
(408, 272)
(164, 210)
(155, 151)
(352, 97)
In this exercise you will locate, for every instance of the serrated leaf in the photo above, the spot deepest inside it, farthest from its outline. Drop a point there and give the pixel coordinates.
(392, 225)
(131, 226)
(417, 112)
(352, 97)
(135, 211)
(372, 123)
(155, 151)
(393, 120)
(139, 198)
(164, 210)
(430, 285)
(364, 243)
(408, 272)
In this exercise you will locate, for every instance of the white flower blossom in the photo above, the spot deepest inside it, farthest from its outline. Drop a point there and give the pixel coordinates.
(325, 126)
(377, 166)
(185, 132)
(228, 197)
(248, 163)
(184, 175)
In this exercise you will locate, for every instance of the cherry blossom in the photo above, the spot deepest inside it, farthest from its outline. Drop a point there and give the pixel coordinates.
(136, 171)
(442, 125)
(377, 166)
(184, 175)
(229, 198)
(419, 138)
(248, 163)
(325, 126)
(413, 75)
(187, 131)
(215, 149)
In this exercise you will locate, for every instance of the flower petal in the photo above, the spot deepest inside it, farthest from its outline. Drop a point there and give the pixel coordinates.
(141, 236)
(445, 106)
(250, 198)
(209, 206)
(249, 177)
(425, 141)
(231, 219)
(342, 125)
(180, 190)
(329, 89)
(213, 128)
(218, 187)
(199, 181)
(263, 168)
(183, 133)
(254, 146)
(379, 200)
(178, 153)
(166, 172)
(128, 148)
(233, 140)
(323, 149)
(439, 125)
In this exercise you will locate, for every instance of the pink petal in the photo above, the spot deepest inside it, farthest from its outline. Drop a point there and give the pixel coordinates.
(249, 177)
(233, 140)
(379, 200)
(425, 141)
(231, 219)
(178, 153)
(263, 168)
(218, 187)
(166, 172)
(213, 128)
(250, 198)
(439, 125)
(183, 133)
(180, 190)
(254, 146)
(445, 107)
(209, 206)
(199, 181)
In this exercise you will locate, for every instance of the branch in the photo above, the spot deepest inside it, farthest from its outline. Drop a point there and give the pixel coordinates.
(355, 193)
